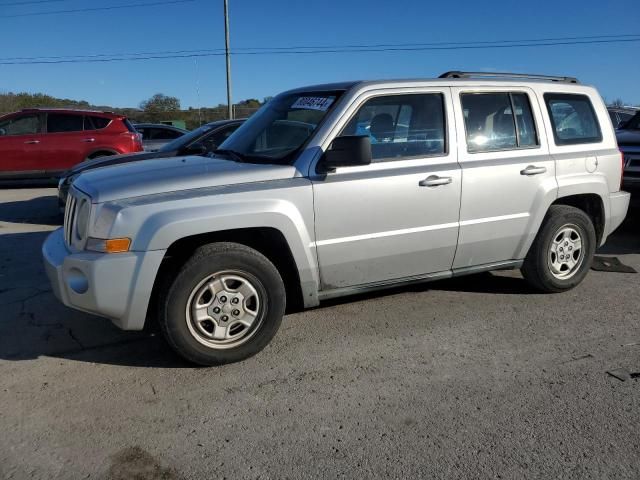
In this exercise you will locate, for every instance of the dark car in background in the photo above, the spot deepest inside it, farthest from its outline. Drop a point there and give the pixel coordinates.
(620, 115)
(201, 141)
(43, 143)
(628, 136)
(156, 135)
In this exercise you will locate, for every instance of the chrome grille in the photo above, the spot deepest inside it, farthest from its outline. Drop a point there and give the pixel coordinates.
(69, 218)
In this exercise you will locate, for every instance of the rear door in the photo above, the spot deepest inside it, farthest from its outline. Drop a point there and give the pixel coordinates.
(66, 144)
(506, 172)
(20, 145)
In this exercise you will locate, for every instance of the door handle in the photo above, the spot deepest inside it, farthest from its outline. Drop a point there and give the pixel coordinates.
(89, 140)
(434, 181)
(533, 170)
(32, 142)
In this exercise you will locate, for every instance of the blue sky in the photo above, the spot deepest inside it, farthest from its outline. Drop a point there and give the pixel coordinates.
(613, 68)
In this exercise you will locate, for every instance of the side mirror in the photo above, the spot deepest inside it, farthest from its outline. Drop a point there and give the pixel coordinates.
(195, 149)
(347, 151)
(3, 132)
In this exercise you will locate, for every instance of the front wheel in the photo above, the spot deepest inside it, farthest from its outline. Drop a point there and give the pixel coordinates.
(561, 254)
(225, 305)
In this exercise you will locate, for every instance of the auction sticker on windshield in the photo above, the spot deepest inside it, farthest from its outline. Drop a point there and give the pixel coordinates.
(313, 103)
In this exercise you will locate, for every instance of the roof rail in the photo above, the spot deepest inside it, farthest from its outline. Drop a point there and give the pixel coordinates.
(66, 109)
(552, 78)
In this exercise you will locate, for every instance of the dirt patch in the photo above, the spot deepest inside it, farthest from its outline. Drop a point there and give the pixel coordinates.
(133, 463)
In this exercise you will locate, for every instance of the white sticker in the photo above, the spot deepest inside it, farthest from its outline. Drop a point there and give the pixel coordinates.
(313, 103)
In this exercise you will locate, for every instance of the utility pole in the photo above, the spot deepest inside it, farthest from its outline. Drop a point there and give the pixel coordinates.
(228, 56)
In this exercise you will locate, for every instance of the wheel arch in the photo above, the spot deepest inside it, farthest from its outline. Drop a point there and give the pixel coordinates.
(590, 203)
(269, 241)
(98, 152)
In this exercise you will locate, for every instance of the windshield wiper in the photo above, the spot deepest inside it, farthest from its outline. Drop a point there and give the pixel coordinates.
(236, 156)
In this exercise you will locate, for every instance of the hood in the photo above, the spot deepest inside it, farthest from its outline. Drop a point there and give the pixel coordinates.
(117, 160)
(136, 179)
(628, 137)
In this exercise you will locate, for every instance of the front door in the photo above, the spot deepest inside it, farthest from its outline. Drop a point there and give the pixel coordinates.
(20, 145)
(398, 217)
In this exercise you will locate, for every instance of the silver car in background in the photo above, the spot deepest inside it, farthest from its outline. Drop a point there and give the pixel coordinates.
(157, 135)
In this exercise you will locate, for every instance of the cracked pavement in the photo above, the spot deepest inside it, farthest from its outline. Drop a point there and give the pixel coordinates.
(477, 377)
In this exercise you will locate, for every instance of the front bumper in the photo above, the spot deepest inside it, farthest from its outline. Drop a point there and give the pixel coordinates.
(116, 286)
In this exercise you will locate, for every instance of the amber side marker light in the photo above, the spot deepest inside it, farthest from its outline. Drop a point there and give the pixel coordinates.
(111, 245)
(117, 245)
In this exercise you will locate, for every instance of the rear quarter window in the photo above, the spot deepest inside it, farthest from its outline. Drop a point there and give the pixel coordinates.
(573, 119)
(95, 123)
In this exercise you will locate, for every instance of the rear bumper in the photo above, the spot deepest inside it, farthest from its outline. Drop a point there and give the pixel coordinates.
(618, 207)
(116, 286)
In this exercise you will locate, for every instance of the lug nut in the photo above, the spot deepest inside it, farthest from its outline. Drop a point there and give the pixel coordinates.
(236, 313)
(234, 300)
(224, 318)
(223, 299)
(216, 310)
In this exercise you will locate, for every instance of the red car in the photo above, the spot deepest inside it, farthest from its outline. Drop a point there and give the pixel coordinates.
(42, 143)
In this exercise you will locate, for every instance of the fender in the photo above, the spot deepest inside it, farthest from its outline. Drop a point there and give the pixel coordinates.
(155, 223)
(587, 183)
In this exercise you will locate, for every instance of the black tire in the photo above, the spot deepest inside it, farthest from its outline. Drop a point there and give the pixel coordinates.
(95, 155)
(176, 325)
(537, 269)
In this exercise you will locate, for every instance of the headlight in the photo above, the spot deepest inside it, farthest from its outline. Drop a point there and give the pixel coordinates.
(82, 219)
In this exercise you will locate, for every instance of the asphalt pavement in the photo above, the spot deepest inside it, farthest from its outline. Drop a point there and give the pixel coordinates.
(476, 377)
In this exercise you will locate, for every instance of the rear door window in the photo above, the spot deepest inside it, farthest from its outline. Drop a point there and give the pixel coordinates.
(164, 134)
(573, 119)
(491, 125)
(64, 122)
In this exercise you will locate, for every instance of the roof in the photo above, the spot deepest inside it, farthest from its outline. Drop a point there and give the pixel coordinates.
(158, 125)
(70, 110)
(449, 78)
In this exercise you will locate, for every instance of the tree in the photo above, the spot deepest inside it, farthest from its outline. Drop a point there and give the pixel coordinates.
(159, 104)
(617, 103)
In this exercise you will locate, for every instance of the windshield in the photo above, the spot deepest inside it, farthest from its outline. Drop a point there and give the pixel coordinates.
(276, 132)
(180, 142)
(634, 123)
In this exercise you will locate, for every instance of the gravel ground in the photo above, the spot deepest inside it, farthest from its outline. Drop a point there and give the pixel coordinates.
(476, 377)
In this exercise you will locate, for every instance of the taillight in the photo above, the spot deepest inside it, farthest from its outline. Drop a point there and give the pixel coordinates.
(135, 137)
(621, 168)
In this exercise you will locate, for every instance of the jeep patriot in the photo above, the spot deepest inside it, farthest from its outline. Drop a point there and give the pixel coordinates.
(336, 189)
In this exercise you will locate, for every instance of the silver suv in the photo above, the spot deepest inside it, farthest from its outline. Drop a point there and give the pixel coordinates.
(337, 189)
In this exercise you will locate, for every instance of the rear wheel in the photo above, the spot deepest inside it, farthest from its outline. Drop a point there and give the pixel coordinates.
(100, 154)
(225, 305)
(561, 254)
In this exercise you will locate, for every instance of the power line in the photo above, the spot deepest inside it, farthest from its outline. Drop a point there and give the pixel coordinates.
(321, 48)
(311, 52)
(95, 9)
(31, 2)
